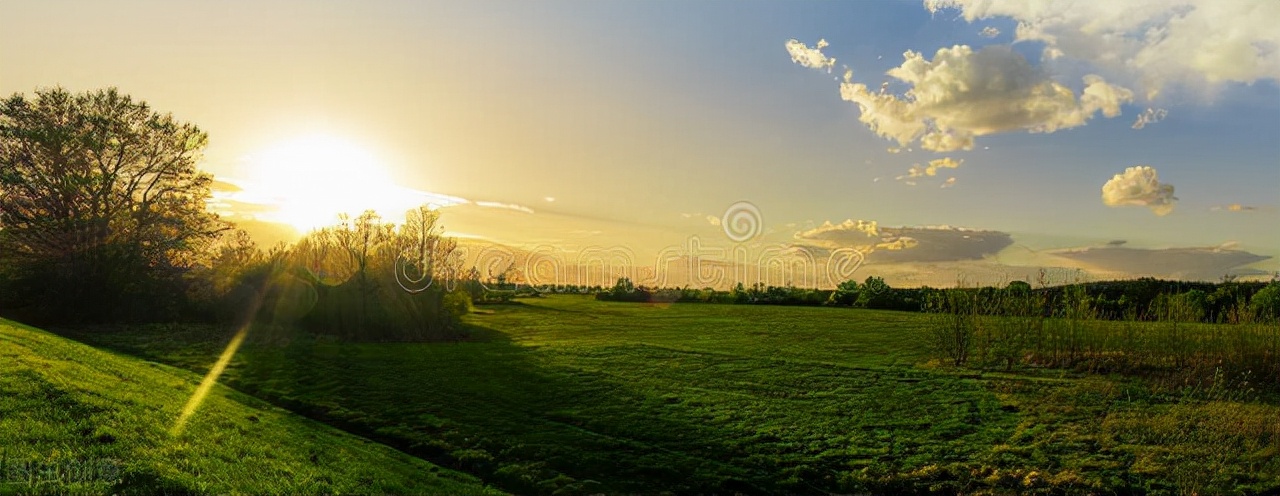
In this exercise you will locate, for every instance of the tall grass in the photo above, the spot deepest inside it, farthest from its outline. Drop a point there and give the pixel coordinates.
(955, 324)
(1009, 329)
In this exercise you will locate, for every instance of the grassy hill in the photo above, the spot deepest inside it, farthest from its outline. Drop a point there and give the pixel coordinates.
(567, 395)
(74, 419)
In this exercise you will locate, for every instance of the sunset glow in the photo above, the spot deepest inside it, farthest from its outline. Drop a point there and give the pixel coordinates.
(307, 182)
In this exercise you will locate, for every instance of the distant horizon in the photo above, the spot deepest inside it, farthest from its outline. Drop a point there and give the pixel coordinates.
(577, 124)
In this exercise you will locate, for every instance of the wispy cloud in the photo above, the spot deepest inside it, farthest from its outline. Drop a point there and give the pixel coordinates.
(508, 206)
(1139, 186)
(989, 32)
(810, 57)
(1234, 207)
(243, 200)
(1150, 116)
(961, 94)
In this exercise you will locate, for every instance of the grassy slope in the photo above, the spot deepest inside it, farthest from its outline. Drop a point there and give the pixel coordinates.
(65, 404)
(571, 395)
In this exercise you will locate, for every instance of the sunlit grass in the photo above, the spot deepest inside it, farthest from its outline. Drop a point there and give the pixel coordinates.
(64, 404)
(209, 380)
(573, 395)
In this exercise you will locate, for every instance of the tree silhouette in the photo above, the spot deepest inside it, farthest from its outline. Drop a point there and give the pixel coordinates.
(101, 204)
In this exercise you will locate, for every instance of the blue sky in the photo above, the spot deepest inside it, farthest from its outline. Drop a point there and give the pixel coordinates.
(641, 119)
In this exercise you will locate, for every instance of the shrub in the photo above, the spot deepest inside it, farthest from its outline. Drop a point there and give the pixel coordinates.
(1265, 304)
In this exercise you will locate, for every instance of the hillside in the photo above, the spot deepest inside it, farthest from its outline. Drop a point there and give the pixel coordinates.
(74, 419)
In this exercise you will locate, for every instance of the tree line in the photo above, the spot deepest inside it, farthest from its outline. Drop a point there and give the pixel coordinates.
(1143, 299)
(104, 219)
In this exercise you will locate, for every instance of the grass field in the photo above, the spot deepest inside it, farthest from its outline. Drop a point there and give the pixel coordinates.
(74, 419)
(567, 395)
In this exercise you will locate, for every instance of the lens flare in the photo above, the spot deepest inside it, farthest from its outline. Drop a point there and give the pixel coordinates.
(211, 378)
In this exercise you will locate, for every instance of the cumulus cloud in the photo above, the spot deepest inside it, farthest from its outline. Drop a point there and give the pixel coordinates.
(1196, 43)
(962, 93)
(842, 233)
(1150, 116)
(1139, 186)
(810, 57)
(931, 169)
(989, 32)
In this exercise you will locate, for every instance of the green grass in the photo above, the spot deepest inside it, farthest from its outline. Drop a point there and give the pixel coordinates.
(566, 395)
(74, 419)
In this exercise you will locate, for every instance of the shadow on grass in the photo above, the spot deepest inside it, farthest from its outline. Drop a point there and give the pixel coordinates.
(483, 406)
(612, 417)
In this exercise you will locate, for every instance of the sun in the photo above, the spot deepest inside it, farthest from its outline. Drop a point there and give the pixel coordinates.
(308, 181)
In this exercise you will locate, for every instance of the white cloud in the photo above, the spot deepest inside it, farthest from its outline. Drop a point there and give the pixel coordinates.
(713, 220)
(1139, 186)
(1149, 116)
(931, 169)
(934, 165)
(866, 228)
(989, 32)
(1155, 43)
(810, 57)
(962, 94)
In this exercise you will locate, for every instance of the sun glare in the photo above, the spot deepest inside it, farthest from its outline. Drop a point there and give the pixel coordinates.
(310, 180)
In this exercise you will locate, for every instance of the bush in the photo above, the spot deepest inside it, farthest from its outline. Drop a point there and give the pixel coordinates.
(845, 294)
(1265, 304)
(954, 324)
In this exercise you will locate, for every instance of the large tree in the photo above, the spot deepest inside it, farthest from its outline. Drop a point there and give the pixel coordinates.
(101, 201)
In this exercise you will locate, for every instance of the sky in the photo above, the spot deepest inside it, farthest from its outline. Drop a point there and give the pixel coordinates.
(1085, 135)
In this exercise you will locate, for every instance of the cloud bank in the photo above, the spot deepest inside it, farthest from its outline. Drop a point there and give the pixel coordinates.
(1205, 264)
(904, 244)
(961, 94)
(1139, 186)
(1155, 43)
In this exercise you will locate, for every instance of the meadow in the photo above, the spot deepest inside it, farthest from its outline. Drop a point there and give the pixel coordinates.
(78, 420)
(568, 395)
